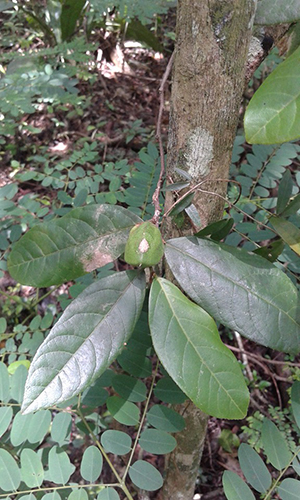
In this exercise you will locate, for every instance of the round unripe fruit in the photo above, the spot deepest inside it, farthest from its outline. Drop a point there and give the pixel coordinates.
(144, 246)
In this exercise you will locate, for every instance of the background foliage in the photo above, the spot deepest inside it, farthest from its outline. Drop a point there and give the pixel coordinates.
(127, 411)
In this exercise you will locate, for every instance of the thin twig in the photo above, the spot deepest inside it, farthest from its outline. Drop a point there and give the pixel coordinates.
(155, 197)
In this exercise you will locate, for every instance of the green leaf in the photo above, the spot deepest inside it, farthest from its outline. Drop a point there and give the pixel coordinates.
(188, 344)
(78, 494)
(3, 325)
(17, 383)
(218, 230)
(167, 391)
(277, 12)
(64, 249)
(156, 441)
(70, 14)
(144, 245)
(273, 113)
(54, 495)
(10, 476)
(165, 419)
(235, 488)
(61, 427)
(275, 445)
(5, 5)
(116, 442)
(272, 251)
(94, 396)
(38, 426)
(6, 415)
(137, 31)
(18, 433)
(60, 467)
(130, 388)
(292, 207)
(32, 472)
(123, 411)
(108, 494)
(285, 190)
(295, 401)
(4, 383)
(145, 476)
(288, 232)
(238, 289)
(135, 364)
(289, 489)
(85, 340)
(15, 365)
(91, 464)
(254, 469)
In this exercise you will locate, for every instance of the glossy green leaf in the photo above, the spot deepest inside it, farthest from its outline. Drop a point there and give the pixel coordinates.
(86, 339)
(235, 488)
(144, 246)
(79, 242)
(285, 190)
(277, 12)
(241, 290)
(187, 342)
(61, 427)
(288, 232)
(165, 419)
(10, 475)
(70, 13)
(116, 442)
(295, 401)
(273, 113)
(6, 415)
(91, 464)
(272, 251)
(218, 230)
(145, 476)
(292, 207)
(167, 391)
(254, 469)
(78, 494)
(275, 445)
(32, 472)
(157, 442)
(123, 411)
(108, 494)
(4, 383)
(289, 489)
(130, 388)
(60, 468)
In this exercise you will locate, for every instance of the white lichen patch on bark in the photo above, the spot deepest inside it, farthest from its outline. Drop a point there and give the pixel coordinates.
(195, 28)
(199, 153)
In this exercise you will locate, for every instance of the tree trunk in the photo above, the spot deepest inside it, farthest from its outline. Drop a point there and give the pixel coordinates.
(213, 38)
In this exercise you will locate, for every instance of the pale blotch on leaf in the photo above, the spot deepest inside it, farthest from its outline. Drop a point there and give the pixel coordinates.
(144, 246)
(96, 259)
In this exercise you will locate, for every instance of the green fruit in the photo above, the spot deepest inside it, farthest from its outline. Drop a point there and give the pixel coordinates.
(144, 246)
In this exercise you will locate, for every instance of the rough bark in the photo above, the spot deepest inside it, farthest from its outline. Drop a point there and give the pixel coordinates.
(213, 38)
